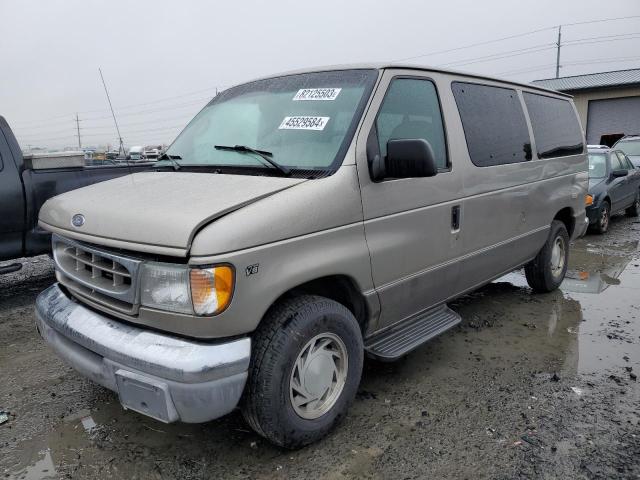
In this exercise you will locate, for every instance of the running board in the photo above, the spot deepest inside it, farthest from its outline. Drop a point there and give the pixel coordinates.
(14, 267)
(399, 340)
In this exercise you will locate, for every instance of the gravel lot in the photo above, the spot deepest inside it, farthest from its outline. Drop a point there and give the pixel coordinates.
(528, 386)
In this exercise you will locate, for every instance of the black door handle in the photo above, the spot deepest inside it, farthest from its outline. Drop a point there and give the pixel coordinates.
(455, 218)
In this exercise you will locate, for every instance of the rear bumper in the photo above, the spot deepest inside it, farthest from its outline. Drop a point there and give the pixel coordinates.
(164, 377)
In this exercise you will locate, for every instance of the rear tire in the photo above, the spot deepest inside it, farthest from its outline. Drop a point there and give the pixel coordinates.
(634, 210)
(307, 347)
(546, 272)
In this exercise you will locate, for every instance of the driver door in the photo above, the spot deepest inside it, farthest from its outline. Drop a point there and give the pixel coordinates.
(408, 222)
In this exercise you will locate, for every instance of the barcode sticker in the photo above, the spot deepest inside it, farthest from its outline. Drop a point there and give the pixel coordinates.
(317, 94)
(303, 123)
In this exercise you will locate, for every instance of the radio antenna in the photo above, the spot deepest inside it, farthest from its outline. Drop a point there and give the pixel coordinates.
(112, 113)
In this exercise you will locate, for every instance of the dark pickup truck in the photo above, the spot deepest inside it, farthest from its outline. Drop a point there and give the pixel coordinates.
(25, 186)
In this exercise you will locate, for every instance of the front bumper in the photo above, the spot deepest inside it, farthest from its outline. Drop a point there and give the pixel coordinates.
(165, 377)
(593, 214)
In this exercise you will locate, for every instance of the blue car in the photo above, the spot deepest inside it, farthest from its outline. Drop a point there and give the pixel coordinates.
(614, 185)
(630, 146)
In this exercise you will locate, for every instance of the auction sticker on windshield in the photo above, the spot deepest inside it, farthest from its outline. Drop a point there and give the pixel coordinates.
(317, 94)
(303, 123)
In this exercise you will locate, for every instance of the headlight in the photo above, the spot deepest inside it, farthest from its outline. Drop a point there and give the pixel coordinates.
(180, 289)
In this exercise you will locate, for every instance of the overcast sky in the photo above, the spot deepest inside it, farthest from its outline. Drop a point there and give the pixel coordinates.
(163, 59)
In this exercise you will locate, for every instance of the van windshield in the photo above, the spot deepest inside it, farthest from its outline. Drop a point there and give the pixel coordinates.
(597, 165)
(303, 122)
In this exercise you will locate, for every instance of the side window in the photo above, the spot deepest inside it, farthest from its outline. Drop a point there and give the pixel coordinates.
(494, 124)
(616, 163)
(411, 109)
(626, 163)
(556, 128)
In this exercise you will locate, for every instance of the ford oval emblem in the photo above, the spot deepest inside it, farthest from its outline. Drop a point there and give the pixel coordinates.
(77, 220)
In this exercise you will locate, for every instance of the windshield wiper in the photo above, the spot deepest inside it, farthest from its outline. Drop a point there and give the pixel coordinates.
(266, 156)
(172, 159)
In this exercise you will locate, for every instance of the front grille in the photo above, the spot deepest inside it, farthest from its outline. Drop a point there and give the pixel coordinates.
(104, 277)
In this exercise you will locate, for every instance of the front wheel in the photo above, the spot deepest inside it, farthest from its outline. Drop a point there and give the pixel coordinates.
(546, 272)
(304, 372)
(602, 224)
(634, 210)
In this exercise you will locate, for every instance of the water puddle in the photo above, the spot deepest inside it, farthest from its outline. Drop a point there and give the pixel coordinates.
(605, 283)
(41, 469)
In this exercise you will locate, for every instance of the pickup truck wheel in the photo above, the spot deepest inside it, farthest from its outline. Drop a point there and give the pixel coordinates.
(634, 210)
(546, 272)
(305, 370)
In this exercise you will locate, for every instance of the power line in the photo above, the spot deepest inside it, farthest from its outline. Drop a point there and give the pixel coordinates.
(126, 107)
(546, 66)
(531, 32)
(600, 20)
(534, 49)
(602, 37)
(499, 56)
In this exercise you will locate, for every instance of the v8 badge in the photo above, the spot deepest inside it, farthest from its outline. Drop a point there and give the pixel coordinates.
(252, 269)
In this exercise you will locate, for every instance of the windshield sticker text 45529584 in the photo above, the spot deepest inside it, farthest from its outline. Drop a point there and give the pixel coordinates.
(317, 94)
(304, 123)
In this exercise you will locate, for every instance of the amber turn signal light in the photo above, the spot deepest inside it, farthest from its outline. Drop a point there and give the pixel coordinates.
(211, 289)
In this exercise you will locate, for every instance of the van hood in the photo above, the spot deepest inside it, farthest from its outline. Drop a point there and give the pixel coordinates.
(162, 209)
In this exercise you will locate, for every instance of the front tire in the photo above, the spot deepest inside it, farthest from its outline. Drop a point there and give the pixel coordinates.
(546, 272)
(305, 370)
(604, 218)
(634, 210)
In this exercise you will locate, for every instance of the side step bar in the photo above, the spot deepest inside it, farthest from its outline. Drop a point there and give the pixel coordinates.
(14, 267)
(399, 340)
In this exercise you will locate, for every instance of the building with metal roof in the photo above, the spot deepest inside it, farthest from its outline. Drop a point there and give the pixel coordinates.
(608, 102)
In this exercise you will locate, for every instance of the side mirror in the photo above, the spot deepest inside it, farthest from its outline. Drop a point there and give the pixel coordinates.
(408, 158)
(619, 173)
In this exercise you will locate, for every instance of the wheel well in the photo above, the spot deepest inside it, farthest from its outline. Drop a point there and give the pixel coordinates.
(607, 199)
(566, 216)
(340, 288)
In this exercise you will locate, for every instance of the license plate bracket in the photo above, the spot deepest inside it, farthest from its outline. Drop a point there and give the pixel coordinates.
(145, 395)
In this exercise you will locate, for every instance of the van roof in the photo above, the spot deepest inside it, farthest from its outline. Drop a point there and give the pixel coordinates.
(423, 68)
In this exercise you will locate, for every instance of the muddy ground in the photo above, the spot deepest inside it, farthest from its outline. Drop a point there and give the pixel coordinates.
(529, 386)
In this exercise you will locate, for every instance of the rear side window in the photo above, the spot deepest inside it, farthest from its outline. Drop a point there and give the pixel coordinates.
(411, 110)
(556, 129)
(494, 124)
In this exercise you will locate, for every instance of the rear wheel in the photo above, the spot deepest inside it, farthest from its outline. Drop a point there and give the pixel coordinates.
(305, 370)
(546, 272)
(634, 210)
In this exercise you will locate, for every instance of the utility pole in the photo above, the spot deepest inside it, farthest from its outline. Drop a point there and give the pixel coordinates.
(558, 51)
(78, 128)
(112, 113)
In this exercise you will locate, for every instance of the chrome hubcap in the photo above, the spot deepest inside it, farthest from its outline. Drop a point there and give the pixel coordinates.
(318, 376)
(557, 257)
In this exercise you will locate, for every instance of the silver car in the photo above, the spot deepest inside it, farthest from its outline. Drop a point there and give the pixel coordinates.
(301, 222)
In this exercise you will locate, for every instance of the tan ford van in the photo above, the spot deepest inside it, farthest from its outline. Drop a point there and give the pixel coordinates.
(301, 222)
